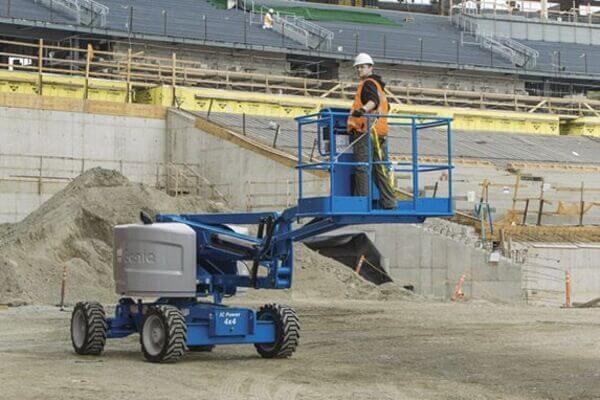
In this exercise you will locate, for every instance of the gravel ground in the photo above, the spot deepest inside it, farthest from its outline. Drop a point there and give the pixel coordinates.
(350, 349)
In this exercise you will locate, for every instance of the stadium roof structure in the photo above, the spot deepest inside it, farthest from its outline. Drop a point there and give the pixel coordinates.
(422, 40)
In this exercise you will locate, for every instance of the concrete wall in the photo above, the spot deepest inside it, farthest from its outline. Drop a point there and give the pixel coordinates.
(42, 150)
(249, 181)
(545, 267)
(277, 64)
(212, 58)
(434, 262)
(561, 32)
(451, 80)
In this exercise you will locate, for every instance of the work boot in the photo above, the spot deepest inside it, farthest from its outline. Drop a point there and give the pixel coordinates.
(388, 205)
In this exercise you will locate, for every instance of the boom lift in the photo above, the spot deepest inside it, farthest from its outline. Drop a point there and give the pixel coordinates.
(180, 259)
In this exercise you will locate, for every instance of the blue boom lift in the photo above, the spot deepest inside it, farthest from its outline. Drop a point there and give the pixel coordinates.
(181, 259)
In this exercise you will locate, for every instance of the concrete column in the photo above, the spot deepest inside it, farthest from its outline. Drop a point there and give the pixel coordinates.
(544, 10)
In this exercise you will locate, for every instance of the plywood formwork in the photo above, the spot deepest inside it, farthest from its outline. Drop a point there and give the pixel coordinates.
(282, 106)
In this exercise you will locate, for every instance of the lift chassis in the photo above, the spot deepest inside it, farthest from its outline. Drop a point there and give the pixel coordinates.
(184, 260)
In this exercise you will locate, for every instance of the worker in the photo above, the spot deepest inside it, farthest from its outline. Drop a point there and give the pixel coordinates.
(268, 19)
(370, 99)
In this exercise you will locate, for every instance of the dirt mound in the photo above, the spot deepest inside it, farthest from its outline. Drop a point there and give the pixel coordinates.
(317, 277)
(74, 228)
(320, 276)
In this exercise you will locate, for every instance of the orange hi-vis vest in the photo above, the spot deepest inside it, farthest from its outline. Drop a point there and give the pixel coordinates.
(359, 124)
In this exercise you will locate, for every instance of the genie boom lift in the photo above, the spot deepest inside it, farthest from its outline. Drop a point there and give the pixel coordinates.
(181, 259)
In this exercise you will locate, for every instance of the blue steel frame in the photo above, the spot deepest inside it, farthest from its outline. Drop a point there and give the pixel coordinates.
(219, 248)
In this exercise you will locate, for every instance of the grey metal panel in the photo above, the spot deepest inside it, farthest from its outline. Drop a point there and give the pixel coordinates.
(582, 33)
(519, 31)
(595, 38)
(155, 260)
(535, 32)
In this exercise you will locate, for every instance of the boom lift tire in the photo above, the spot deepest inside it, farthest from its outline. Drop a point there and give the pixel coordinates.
(88, 328)
(164, 334)
(287, 331)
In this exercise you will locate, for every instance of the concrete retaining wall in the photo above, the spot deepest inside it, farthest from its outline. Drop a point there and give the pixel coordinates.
(545, 268)
(42, 150)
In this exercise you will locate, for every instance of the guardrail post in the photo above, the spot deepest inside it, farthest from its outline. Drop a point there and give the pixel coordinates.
(276, 136)
(245, 30)
(128, 99)
(88, 59)
(174, 78)
(40, 65)
(130, 19)
(415, 167)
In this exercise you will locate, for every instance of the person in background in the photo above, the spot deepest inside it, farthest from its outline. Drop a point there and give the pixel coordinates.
(268, 19)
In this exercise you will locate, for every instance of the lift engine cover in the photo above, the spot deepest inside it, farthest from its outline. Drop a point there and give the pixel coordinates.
(155, 260)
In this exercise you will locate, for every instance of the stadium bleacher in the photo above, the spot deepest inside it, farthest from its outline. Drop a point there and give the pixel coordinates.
(422, 38)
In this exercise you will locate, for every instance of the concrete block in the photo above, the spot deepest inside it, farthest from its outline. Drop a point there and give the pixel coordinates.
(481, 269)
(425, 240)
(508, 271)
(439, 251)
(425, 285)
(458, 258)
(408, 251)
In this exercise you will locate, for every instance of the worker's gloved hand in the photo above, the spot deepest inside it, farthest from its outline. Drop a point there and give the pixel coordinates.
(359, 112)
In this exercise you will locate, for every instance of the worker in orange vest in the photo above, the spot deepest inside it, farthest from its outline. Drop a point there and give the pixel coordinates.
(268, 20)
(370, 99)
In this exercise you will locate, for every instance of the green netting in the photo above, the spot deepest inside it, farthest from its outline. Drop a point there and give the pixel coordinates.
(319, 14)
(220, 4)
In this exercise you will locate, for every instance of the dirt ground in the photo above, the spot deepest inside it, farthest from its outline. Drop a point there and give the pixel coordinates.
(409, 349)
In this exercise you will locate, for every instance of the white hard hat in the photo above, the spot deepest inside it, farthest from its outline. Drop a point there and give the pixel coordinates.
(363, 58)
(271, 11)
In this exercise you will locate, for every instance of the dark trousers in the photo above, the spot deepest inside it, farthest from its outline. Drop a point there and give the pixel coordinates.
(379, 171)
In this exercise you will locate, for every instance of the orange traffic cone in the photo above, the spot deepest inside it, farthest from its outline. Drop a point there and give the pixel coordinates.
(458, 293)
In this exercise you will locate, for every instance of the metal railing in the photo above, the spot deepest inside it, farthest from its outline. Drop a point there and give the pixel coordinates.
(85, 12)
(517, 53)
(337, 155)
(182, 179)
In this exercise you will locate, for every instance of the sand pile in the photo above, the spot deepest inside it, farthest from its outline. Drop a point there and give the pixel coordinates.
(317, 276)
(74, 229)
